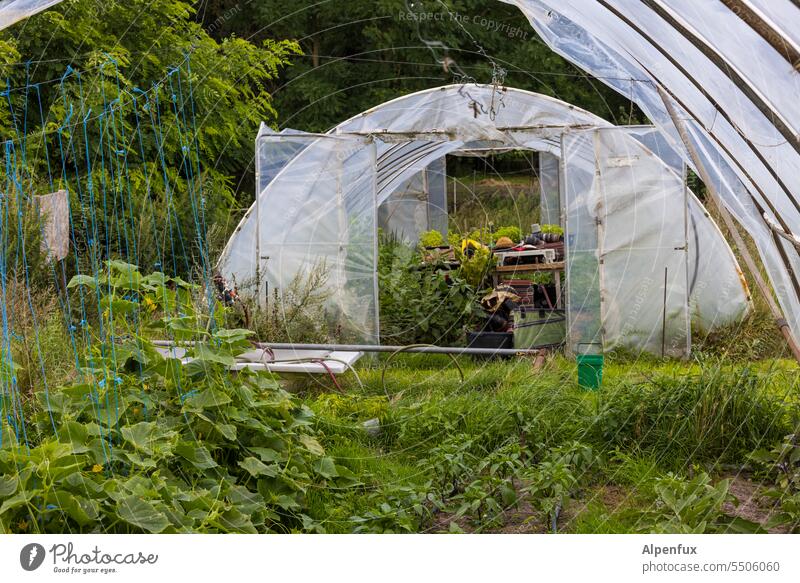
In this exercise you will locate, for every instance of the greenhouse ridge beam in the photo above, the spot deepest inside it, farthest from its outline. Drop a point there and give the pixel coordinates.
(453, 132)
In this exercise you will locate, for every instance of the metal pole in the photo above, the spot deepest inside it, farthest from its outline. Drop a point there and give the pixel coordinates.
(664, 316)
(455, 200)
(728, 220)
(381, 348)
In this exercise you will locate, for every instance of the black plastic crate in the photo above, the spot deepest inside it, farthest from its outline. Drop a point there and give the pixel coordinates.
(492, 340)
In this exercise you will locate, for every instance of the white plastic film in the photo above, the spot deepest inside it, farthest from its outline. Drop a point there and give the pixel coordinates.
(411, 137)
(316, 216)
(12, 11)
(733, 77)
(550, 200)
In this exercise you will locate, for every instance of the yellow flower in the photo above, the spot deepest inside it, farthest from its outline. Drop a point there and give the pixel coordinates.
(22, 524)
(97, 468)
(149, 304)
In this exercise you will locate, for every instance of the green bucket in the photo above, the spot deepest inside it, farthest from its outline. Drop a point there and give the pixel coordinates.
(590, 371)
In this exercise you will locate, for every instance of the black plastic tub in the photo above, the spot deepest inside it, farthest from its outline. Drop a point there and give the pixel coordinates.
(490, 340)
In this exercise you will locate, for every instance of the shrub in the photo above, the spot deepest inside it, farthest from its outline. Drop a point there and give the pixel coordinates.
(513, 233)
(431, 239)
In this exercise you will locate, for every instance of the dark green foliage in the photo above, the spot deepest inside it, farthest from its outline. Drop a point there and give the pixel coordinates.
(421, 303)
(143, 443)
(153, 118)
(359, 54)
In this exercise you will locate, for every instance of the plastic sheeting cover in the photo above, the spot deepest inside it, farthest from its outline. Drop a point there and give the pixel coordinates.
(409, 135)
(627, 251)
(12, 11)
(550, 199)
(730, 68)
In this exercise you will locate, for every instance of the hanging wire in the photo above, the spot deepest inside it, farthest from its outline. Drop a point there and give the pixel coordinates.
(440, 52)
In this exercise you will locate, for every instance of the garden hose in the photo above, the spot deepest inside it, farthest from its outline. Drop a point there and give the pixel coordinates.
(409, 347)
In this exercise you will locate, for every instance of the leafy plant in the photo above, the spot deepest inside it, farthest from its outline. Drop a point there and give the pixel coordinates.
(398, 509)
(554, 229)
(421, 303)
(550, 484)
(513, 233)
(431, 238)
(692, 506)
(782, 465)
(492, 491)
(485, 499)
(475, 265)
(144, 442)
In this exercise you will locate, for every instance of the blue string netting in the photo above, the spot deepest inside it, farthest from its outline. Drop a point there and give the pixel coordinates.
(105, 145)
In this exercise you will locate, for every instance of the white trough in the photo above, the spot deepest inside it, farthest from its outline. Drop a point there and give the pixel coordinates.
(281, 360)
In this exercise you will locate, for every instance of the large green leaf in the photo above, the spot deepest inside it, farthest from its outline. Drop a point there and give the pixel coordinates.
(227, 430)
(256, 468)
(207, 353)
(234, 335)
(142, 514)
(19, 499)
(8, 485)
(312, 445)
(197, 455)
(81, 279)
(81, 510)
(140, 435)
(206, 399)
(234, 521)
(326, 468)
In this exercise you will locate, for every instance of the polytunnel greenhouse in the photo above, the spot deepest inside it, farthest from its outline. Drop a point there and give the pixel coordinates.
(519, 267)
(644, 260)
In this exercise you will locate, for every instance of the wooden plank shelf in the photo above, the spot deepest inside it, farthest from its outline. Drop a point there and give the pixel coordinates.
(554, 268)
(558, 266)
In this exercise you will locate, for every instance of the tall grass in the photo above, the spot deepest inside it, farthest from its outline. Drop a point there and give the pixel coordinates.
(718, 414)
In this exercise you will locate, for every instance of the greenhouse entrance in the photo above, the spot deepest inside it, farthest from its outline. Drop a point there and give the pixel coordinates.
(642, 259)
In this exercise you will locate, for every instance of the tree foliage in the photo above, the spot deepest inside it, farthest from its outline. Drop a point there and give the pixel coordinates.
(137, 90)
(360, 53)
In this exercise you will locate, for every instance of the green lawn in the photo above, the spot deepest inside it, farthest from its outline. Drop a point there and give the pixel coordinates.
(663, 446)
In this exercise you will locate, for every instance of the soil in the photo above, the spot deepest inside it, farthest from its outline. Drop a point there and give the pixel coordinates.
(524, 519)
(752, 505)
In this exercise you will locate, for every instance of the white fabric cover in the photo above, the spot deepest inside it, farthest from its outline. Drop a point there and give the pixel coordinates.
(732, 73)
(409, 134)
(12, 11)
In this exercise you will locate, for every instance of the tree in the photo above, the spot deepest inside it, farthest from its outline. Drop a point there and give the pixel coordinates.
(81, 58)
(360, 53)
